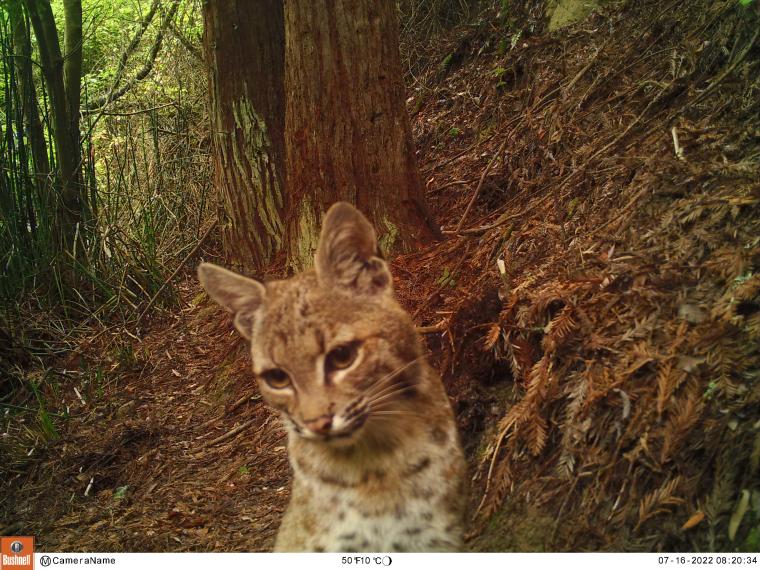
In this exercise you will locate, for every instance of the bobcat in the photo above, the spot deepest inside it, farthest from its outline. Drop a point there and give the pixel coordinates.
(377, 464)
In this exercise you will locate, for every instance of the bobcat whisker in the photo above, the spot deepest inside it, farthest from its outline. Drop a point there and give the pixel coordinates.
(380, 414)
(389, 388)
(389, 395)
(385, 382)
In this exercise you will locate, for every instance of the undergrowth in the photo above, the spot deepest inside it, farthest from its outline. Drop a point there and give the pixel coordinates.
(147, 172)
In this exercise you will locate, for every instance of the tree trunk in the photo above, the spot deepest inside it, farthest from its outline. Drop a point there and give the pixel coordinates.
(347, 133)
(244, 45)
(72, 207)
(30, 110)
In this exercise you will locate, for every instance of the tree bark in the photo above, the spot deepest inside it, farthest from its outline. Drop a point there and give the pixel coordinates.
(347, 133)
(72, 208)
(72, 63)
(244, 45)
(32, 123)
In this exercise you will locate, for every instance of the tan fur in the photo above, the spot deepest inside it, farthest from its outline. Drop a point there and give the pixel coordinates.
(373, 445)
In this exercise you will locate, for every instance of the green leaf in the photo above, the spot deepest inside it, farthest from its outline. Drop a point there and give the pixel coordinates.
(752, 542)
(120, 492)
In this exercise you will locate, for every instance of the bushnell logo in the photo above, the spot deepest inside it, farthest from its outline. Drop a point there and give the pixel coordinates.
(17, 553)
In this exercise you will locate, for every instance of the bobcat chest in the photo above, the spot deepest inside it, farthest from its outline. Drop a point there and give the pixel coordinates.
(415, 507)
(412, 527)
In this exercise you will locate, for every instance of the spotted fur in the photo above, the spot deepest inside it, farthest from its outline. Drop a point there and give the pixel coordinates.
(377, 464)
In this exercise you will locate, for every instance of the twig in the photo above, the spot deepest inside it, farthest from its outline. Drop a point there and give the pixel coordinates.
(492, 465)
(496, 155)
(562, 508)
(439, 327)
(139, 111)
(247, 398)
(176, 271)
(456, 156)
(232, 408)
(232, 433)
(211, 421)
(501, 220)
(453, 183)
(676, 144)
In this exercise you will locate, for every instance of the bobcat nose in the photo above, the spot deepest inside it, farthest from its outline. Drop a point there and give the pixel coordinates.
(320, 425)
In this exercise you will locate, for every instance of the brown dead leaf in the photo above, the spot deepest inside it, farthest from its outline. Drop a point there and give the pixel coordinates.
(693, 521)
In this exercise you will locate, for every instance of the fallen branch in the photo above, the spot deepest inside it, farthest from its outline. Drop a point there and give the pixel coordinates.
(232, 433)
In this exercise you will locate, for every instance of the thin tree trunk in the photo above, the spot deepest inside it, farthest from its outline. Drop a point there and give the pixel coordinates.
(347, 133)
(72, 67)
(244, 47)
(30, 109)
(72, 207)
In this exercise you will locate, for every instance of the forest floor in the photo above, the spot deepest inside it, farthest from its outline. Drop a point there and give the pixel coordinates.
(606, 383)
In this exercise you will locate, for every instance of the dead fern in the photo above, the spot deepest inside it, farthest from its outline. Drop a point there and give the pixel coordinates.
(660, 501)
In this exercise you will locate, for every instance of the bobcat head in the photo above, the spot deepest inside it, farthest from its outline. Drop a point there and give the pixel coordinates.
(331, 348)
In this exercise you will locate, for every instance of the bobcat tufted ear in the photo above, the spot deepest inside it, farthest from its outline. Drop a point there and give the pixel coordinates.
(347, 257)
(239, 295)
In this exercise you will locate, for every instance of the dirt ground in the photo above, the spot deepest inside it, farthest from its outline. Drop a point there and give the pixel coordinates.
(605, 380)
(178, 453)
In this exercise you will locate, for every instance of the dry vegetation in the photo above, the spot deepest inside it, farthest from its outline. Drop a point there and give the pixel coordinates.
(617, 167)
(607, 384)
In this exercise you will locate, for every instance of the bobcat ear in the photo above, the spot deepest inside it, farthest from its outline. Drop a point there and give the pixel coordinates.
(239, 295)
(347, 257)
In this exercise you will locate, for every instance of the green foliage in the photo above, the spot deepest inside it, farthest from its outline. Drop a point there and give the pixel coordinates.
(139, 215)
(447, 278)
(146, 168)
(503, 47)
(752, 542)
(572, 205)
(45, 422)
(498, 74)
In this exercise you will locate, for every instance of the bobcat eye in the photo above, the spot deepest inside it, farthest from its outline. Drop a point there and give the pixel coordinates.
(276, 378)
(342, 356)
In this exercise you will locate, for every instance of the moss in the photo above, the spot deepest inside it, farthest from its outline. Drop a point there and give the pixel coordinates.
(250, 168)
(221, 394)
(389, 237)
(199, 298)
(515, 527)
(564, 12)
(304, 241)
